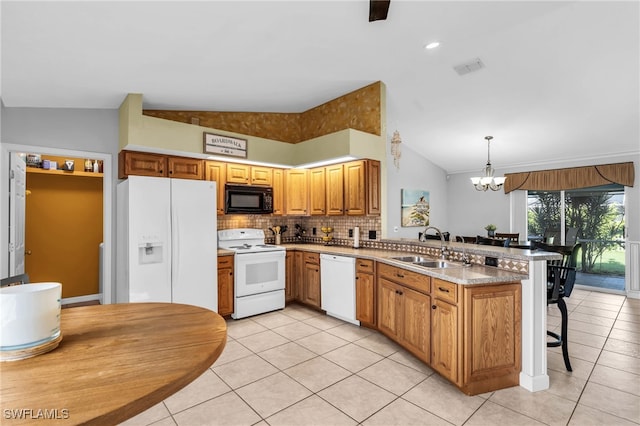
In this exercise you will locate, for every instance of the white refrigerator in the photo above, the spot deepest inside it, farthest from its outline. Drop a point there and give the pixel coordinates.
(167, 241)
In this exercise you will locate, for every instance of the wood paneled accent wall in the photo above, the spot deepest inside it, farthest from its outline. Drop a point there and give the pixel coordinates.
(359, 110)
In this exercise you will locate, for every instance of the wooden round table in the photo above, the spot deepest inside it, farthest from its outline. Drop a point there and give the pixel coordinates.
(114, 361)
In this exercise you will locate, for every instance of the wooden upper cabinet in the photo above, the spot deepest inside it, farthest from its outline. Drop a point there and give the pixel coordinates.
(278, 192)
(317, 189)
(334, 189)
(186, 168)
(374, 206)
(261, 176)
(238, 173)
(362, 188)
(217, 172)
(297, 192)
(141, 164)
(355, 185)
(249, 175)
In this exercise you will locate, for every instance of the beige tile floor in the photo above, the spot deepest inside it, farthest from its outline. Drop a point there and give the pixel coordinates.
(298, 367)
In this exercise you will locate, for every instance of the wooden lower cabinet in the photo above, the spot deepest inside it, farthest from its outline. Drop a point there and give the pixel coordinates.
(469, 334)
(225, 285)
(491, 337)
(365, 293)
(290, 293)
(404, 316)
(311, 280)
(444, 339)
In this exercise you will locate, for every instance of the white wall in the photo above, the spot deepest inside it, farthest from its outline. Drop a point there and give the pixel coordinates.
(415, 172)
(470, 210)
(88, 130)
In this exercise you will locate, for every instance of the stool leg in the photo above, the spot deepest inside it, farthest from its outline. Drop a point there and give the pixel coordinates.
(565, 319)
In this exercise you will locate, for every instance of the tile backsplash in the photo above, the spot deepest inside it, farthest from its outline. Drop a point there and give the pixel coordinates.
(340, 224)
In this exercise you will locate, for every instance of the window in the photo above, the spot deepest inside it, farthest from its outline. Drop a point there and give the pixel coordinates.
(592, 216)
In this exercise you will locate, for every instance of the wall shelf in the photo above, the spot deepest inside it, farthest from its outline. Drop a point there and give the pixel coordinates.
(63, 172)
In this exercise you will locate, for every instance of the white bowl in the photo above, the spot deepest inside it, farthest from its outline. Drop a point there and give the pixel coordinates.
(30, 315)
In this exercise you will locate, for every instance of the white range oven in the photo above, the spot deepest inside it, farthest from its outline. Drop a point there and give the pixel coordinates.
(259, 270)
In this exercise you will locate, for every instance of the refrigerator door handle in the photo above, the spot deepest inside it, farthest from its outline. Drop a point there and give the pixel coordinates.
(175, 246)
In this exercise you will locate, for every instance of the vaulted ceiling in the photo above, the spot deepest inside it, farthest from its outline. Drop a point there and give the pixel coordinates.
(560, 79)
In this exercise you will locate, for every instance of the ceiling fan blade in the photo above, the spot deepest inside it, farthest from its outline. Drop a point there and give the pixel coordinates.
(378, 10)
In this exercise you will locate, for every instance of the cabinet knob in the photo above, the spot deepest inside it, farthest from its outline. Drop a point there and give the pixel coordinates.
(433, 306)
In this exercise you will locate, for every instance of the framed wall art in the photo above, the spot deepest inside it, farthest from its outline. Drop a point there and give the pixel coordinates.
(415, 207)
(225, 145)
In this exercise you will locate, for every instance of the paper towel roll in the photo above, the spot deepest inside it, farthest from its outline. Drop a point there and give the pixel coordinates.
(356, 237)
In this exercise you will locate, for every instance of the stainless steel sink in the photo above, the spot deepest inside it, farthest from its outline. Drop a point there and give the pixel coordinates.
(434, 264)
(425, 262)
(410, 259)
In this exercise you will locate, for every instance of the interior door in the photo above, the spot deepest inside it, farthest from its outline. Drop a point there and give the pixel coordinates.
(17, 193)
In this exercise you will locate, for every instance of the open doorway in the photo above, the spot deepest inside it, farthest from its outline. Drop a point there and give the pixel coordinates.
(104, 286)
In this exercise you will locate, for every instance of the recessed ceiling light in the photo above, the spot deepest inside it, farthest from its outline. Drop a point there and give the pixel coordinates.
(432, 45)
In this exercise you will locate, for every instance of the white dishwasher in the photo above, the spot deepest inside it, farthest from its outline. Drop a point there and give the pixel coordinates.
(338, 287)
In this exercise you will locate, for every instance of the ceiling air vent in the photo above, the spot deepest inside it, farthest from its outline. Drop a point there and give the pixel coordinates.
(471, 66)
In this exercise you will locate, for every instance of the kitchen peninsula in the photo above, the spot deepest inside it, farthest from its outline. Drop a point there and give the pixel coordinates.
(515, 290)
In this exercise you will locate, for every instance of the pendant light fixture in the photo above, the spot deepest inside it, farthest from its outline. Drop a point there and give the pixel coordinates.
(488, 181)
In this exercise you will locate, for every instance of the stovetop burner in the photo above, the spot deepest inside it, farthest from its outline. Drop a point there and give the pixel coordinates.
(245, 240)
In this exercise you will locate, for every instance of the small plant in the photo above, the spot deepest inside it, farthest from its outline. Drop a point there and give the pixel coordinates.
(491, 229)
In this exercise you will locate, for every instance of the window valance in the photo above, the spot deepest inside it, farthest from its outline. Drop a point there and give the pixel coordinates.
(571, 178)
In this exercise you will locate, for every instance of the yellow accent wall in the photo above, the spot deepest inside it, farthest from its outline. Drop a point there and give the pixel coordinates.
(63, 231)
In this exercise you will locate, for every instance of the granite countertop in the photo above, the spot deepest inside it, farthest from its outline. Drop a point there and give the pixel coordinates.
(459, 274)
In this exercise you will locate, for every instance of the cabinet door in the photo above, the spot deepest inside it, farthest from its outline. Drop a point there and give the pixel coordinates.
(335, 190)
(444, 335)
(217, 172)
(261, 176)
(317, 196)
(290, 277)
(297, 192)
(388, 306)
(141, 164)
(238, 173)
(311, 284)
(225, 285)
(492, 332)
(354, 188)
(278, 192)
(373, 188)
(299, 274)
(365, 298)
(416, 324)
(186, 168)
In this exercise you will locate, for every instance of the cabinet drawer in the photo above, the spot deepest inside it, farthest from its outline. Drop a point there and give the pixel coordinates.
(225, 262)
(363, 265)
(445, 290)
(408, 278)
(312, 258)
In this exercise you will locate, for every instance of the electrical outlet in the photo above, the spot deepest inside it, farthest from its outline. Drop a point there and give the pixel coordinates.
(314, 231)
(350, 233)
(372, 235)
(491, 261)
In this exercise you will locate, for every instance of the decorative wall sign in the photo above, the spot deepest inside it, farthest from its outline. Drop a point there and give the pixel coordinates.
(225, 145)
(415, 207)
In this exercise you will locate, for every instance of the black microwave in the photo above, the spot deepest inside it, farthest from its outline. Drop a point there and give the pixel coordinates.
(248, 199)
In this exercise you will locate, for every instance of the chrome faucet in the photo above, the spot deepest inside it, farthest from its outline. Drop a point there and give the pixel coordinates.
(444, 253)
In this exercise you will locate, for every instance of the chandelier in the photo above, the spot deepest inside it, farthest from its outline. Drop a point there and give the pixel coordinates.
(488, 181)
